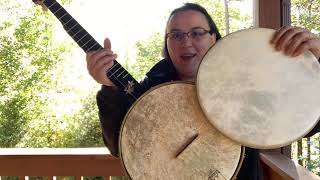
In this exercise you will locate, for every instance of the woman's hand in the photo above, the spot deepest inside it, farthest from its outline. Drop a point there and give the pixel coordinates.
(294, 41)
(98, 62)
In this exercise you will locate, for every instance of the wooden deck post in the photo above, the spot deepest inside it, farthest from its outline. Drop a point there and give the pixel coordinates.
(275, 14)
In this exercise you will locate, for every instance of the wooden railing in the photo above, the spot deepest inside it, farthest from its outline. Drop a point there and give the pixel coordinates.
(81, 162)
(276, 166)
(52, 162)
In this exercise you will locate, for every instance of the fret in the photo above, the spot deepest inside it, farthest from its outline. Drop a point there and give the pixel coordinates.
(53, 8)
(60, 18)
(116, 71)
(95, 44)
(125, 75)
(121, 73)
(81, 38)
(52, 4)
(67, 22)
(76, 33)
(72, 28)
(57, 10)
(115, 64)
(86, 43)
(65, 18)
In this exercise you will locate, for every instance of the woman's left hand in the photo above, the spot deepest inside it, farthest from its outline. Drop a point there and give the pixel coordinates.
(294, 41)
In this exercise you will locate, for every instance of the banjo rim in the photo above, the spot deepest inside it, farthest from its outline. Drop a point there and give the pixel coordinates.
(123, 165)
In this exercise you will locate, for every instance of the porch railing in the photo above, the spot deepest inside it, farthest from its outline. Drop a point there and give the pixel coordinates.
(79, 162)
(52, 162)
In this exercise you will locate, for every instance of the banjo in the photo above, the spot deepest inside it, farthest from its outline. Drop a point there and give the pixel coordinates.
(165, 135)
(155, 142)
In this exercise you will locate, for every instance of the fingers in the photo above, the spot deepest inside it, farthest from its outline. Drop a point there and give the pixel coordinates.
(305, 46)
(105, 63)
(294, 41)
(103, 56)
(98, 62)
(284, 36)
(107, 43)
(277, 35)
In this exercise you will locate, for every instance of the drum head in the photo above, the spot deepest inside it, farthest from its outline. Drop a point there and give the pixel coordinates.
(166, 136)
(258, 96)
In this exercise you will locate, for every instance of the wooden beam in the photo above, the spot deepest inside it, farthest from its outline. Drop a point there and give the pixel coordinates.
(274, 13)
(269, 14)
(59, 162)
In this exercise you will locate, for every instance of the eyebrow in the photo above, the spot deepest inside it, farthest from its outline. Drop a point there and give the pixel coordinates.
(197, 27)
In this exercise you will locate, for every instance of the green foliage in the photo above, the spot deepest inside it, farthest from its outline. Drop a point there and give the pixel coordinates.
(26, 54)
(305, 13)
(313, 164)
(148, 54)
(87, 125)
(33, 67)
(217, 12)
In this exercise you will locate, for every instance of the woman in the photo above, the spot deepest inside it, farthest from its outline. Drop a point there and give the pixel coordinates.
(190, 32)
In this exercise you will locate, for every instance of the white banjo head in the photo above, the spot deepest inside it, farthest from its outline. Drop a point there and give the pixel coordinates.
(165, 135)
(256, 95)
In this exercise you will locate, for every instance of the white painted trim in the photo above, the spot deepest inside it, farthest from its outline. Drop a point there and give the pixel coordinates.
(255, 13)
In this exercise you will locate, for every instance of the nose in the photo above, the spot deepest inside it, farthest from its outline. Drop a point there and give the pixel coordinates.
(186, 41)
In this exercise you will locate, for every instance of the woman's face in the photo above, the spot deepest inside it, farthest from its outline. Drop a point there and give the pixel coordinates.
(187, 50)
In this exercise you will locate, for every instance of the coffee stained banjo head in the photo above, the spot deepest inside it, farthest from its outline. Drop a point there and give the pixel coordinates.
(165, 135)
(255, 95)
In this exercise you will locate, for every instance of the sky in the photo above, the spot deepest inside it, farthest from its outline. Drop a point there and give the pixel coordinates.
(123, 21)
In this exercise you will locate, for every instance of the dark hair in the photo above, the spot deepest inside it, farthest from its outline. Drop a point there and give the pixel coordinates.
(193, 7)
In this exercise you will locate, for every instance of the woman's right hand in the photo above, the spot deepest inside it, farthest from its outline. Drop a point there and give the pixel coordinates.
(98, 62)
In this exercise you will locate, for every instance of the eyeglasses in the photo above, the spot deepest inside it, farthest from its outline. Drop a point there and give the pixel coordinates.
(195, 34)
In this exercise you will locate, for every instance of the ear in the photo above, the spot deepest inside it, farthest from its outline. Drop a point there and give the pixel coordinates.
(213, 38)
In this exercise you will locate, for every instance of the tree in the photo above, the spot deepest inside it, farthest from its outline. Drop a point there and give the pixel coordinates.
(27, 56)
(148, 54)
(305, 13)
(33, 71)
(226, 16)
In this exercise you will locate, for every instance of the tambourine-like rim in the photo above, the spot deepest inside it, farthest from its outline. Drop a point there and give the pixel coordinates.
(127, 174)
(218, 128)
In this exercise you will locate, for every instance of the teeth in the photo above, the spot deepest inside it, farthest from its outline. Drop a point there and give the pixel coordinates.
(188, 55)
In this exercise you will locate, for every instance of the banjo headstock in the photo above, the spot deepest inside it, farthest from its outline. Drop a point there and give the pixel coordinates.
(41, 3)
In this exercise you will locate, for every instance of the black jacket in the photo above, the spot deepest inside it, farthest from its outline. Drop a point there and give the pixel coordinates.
(113, 106)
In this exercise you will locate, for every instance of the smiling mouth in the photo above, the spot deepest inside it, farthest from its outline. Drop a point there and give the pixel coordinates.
(187, 57)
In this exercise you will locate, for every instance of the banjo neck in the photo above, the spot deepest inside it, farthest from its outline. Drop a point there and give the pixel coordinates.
(117, 74)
